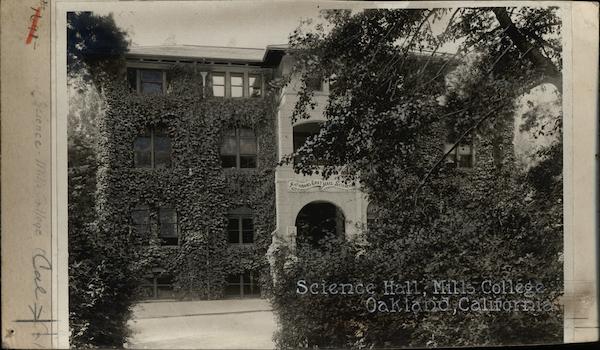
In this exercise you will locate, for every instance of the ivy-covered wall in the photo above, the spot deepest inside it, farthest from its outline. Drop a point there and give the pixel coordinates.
(196, 185)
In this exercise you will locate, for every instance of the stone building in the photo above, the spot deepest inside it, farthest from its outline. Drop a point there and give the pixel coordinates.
(189, 168)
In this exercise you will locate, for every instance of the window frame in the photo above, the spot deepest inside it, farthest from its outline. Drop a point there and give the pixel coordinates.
(303, 136)
(154, 223)
(371, 218)
(139, 81)
(212, 83)
(238, 154)
(227, 87)
(309, 81)
(148, 217)
(239, 214)
(257, 76)
(244, 77)
(253, 282)
(454, 154)
(152, 132)
(160, 224)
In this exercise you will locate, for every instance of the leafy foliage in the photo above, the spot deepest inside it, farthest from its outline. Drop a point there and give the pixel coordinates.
(196, 186)
(94, 44)
(99, 271)
(393, 103)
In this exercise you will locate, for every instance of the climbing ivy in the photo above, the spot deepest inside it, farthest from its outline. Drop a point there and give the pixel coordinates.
(196, 185)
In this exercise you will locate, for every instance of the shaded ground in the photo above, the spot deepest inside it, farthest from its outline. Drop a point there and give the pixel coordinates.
(212, 324)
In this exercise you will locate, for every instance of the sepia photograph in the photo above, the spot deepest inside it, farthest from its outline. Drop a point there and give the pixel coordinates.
(281, 175)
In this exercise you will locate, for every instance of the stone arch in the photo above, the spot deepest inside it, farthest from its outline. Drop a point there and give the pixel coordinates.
(318, 220)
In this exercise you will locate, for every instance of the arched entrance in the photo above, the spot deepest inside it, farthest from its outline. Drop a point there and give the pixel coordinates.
(318, 220)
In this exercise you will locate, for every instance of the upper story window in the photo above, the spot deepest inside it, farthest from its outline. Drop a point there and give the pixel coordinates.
(371, 215)
(314, 84)
(151, 81)
(168, 230)
(240, 226)
(254, 85)
(236, 84)
(218, 84)
(304, 131)
(165, 218)
(301, 133)
(140, 219)
(147, 81)
(239, 149)
(461, 156)
(152, 149)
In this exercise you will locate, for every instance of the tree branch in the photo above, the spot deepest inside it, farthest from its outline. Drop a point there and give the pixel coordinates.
(542, 63)
(457, 142)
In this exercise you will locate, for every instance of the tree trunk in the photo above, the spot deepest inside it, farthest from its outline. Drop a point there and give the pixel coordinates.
(543, 64)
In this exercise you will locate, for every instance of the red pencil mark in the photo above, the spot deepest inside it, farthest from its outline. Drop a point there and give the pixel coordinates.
(34, 23)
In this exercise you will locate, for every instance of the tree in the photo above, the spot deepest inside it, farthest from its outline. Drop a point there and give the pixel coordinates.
(95, 44)
(374, 76)
(100, 277)
(393, 96)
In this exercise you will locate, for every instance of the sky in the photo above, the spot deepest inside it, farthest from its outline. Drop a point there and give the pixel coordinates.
(214, 23)
(228, 23)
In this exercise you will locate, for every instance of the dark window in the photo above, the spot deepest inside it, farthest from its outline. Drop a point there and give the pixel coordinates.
(314, 83)
(371, 215)
(158, 285)
(239, 149)
(140, 219)
(461, 156)
(151, 81)
(164, 287)
(237, 85)
(132, 78)
(254, 85)
(218, 84)
(302, 133)
(243, 284)
(142, 148)
(152, 149)
(168, 229)
(240, 226)
(164, 218)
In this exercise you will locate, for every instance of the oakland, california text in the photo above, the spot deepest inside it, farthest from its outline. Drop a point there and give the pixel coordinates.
(439, 295)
